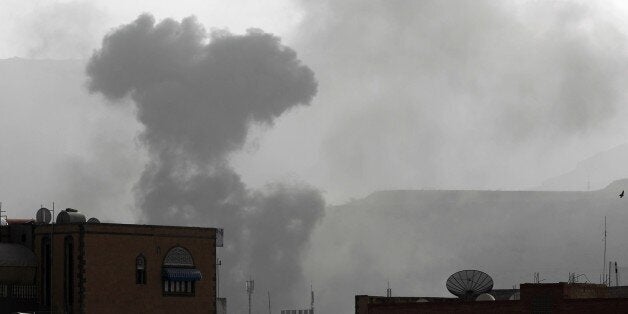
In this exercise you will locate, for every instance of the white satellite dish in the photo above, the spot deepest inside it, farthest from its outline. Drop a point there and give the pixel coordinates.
(43, 216)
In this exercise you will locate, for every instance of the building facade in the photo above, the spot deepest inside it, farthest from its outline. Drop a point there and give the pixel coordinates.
(83, 267)
(105, 268)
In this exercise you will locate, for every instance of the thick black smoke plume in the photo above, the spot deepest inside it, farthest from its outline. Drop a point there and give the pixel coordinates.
(197, 95)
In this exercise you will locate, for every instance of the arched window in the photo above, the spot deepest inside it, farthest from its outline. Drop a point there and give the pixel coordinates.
(179, 273)
(140, 270)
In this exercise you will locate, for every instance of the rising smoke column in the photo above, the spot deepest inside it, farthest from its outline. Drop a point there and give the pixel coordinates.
(197, 94)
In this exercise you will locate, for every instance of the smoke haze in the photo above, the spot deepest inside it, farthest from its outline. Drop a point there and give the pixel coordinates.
(453, 94)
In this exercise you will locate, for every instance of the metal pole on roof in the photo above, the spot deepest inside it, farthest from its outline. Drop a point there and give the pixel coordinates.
(604, 264)
(218, 263)
(2, 211)
(312, 299)
(616, 276)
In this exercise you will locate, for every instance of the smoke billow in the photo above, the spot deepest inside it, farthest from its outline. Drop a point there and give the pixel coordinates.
(197, 94)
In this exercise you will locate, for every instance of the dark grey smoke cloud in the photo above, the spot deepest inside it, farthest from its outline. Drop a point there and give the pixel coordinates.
(197, 95)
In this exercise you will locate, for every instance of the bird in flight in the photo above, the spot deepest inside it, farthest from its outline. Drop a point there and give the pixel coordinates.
(621, 194)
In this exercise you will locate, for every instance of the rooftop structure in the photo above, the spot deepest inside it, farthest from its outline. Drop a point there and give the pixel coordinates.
(559, 297)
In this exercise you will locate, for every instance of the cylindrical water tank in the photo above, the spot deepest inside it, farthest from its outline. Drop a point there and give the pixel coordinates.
(70, 216)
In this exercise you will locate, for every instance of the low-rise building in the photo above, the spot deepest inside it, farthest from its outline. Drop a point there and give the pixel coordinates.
(90, 267)
(559, 297)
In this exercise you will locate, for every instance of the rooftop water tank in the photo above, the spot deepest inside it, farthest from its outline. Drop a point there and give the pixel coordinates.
(70, 215)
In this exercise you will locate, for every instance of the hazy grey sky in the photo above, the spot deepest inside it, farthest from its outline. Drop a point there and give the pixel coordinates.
(408, 95)
(475, 95)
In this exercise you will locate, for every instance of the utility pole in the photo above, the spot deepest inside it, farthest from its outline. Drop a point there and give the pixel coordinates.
(269, 312)
(388, 291)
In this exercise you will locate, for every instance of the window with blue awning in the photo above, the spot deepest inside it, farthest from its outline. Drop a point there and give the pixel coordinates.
(181, 274)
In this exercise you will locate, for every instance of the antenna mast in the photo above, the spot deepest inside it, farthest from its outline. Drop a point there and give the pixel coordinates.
(604, 264)
(312, 299)
(616, 275)
(249, 290)
(218, 264)
(2, 211)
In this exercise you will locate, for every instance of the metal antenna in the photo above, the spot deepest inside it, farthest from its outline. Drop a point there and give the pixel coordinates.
(312, 299)
(249, 290)
(52, 245)
(218, 263)
(2, 216)
(616, 276)
(604, 264)
(609, 272)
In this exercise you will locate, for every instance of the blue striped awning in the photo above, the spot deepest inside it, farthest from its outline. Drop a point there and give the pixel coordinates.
(182, 274)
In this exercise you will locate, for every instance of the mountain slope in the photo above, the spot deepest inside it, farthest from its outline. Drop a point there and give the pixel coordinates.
(593, 173)
(416, 239)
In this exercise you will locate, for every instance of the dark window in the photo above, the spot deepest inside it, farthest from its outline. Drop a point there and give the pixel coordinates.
(68, 272)
(46, 274)
(178, 287)
(140, 270)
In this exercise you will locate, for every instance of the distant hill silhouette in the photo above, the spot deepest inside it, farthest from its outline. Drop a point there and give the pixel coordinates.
(416, 239)
(599, 169)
